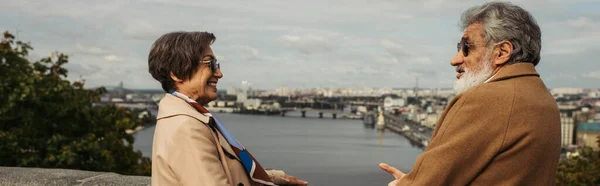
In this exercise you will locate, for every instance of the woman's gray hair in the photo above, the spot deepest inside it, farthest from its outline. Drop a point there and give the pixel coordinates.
(503, 21)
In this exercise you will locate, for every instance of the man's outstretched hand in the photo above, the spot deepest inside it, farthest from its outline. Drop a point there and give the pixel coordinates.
(393, 171)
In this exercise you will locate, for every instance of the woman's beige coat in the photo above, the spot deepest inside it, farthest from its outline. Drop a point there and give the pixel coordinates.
(186, 151)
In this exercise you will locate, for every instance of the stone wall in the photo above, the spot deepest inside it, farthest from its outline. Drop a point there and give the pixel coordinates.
(50, 177)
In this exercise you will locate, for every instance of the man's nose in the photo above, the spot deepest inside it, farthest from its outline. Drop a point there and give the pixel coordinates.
(457, 59)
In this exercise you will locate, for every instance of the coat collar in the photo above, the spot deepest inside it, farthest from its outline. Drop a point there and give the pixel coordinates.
(515, 70)
(170, 106)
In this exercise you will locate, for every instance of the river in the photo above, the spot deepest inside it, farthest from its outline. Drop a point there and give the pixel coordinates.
(321, 151)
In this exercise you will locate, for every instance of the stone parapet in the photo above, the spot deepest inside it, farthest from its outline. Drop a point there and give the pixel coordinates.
(49, 177)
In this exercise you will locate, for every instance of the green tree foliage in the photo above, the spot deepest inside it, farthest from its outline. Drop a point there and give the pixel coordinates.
(582, 168)
(47, 121)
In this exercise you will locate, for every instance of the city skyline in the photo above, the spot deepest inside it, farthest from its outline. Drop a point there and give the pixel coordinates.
(240, 87)
(308, 44)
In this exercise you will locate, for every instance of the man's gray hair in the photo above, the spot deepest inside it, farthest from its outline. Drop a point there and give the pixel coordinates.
(503, 21)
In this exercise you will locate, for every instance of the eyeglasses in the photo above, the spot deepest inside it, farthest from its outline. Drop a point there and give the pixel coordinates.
(464, 46)
(214, 65)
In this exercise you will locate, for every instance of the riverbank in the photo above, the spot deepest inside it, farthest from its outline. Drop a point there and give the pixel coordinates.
(415, 133)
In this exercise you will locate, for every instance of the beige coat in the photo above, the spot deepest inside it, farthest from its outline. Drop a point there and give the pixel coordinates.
(186, 151)
(504, 132)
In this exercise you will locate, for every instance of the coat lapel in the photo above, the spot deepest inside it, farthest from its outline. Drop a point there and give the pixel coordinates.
(173, 106)
(226, 146)
(441, 120)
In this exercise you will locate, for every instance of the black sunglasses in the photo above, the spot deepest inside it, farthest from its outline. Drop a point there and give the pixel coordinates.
(214, 65)
(464, 46)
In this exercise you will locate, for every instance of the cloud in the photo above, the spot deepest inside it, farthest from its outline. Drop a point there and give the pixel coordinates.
(112, 58)
(562, 51)
(579, 36)
(582, 37)
(581, 22)
(247, 53)
(423, 72)
(310, 43)
(76, 9)
(595, 75)
(400, 53)
(423, 60)
(78, 69)
(90, 50)
(141, 30)
(394, 48)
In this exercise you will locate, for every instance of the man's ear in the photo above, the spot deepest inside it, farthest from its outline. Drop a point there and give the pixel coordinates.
(175, 78)
(502, 53)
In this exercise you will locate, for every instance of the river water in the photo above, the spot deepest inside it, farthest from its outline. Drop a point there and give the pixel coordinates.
(321, 151)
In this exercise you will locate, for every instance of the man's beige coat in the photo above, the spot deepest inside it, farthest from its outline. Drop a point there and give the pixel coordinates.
(504, 132)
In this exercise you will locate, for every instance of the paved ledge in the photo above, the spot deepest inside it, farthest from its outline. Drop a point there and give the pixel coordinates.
(41, 176)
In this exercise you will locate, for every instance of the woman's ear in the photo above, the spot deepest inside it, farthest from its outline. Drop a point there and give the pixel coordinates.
(175, 78)
(502, 53)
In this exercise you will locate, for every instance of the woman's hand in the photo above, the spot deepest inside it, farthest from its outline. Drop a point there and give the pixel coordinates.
(292, 180)
(280, 178)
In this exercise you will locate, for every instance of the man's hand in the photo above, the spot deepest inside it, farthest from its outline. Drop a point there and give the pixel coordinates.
(393, 171)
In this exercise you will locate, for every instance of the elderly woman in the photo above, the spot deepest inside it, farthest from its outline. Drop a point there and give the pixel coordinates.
(191, 147)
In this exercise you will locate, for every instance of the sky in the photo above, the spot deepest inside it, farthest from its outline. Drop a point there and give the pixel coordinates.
(297, 44)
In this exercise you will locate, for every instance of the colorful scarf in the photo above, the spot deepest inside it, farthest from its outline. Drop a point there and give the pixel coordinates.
(252, 167)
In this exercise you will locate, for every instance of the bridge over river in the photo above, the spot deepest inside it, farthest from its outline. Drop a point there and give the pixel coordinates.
(333, 112)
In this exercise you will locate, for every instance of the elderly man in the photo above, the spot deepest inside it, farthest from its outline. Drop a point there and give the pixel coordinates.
(502, 128)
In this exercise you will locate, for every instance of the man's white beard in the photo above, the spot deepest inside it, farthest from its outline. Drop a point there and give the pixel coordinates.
(471, 79)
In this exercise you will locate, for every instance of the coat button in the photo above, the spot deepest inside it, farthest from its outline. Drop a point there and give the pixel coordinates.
(240, 184)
